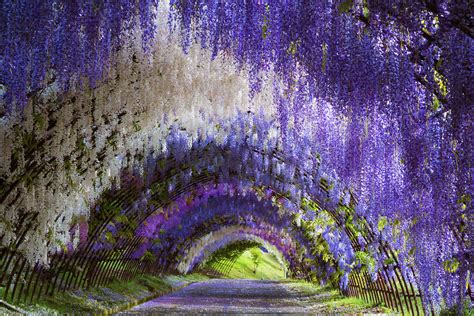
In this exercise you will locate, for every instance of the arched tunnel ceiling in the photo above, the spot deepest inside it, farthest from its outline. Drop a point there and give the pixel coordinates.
(203, 249)
(316, 120)
(195, 203)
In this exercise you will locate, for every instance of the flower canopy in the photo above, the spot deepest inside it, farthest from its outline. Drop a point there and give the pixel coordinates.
(340, 132)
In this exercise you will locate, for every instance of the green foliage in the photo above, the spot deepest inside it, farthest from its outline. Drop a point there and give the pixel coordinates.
(61, 245)
(49, 234)
(451, 265)
(389, 261)
(293, 48)
(255, 255)
(122, 219)
(136, 126)
(322, 249)
(147, 256)
(110, 238)
(232, 251)
(436, 104)
(28, 141)
(365, 259)
(345, 6)
(350, 225)
(382, 223)
(464, 310)
(442, 83)
(366, 12)
(268, 267)
(464, 201)
(112, 141)
(265, 22)
(38, 119)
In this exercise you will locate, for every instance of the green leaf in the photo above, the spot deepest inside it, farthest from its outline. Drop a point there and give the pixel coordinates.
(365, 259)
(121, 219)
(62, 245)
(389, 261)
(147, 256)
(344, 6)
(383, 221)
(39, 120)
(136, 126)
(109, 237)
(366, 12)
(451, 265)
(436, 104)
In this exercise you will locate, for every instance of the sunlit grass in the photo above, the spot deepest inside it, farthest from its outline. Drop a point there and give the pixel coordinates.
(268, 268)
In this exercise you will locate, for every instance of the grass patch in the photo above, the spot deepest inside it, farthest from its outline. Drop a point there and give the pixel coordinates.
(99, 300)
(256, 264)
(179, 280)
(466, 310)
(329, 300)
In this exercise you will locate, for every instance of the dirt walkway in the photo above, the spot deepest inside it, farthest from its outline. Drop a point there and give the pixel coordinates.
(247, 297)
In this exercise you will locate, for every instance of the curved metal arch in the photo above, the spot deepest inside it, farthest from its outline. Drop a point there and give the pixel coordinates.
(81, 256)
(177, 254)
(208, 225)
(214, 241)
(104, 224)
(291, 257)
(129, 192)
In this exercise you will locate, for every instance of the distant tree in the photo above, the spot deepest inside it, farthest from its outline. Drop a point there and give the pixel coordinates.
(255, 255)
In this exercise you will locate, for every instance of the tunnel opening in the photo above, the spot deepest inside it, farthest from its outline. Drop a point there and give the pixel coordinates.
(245, 259)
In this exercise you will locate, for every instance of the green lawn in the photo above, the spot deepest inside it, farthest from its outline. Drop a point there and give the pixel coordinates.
(266, 267)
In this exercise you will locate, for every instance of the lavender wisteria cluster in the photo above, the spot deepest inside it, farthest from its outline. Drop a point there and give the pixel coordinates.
(72, 43)
(345, 125)
(398, 131)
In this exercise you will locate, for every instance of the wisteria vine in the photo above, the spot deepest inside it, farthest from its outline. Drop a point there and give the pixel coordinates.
(372, 115)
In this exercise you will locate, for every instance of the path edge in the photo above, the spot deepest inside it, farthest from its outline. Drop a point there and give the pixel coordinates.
(133, 303)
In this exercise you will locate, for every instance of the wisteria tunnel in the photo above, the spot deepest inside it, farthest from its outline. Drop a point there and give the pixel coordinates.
(146, 137)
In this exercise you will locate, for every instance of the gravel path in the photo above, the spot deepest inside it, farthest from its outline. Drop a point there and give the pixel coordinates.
(239, 296)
